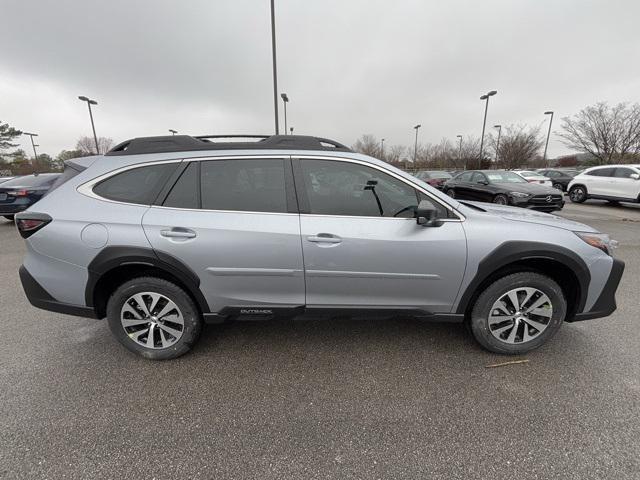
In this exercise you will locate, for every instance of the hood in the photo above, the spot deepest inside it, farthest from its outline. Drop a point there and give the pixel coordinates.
(532, 188)
(519, 214)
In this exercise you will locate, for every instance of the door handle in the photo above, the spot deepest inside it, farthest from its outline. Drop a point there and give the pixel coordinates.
(178, 232)
(324, 238)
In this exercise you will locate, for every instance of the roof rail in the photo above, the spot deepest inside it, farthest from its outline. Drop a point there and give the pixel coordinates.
(187, 143)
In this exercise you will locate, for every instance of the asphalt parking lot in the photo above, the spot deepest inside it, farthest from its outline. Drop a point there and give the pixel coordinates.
(330, 398)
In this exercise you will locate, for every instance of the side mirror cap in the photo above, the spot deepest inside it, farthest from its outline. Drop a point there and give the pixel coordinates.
(635, 176)
(427, 214)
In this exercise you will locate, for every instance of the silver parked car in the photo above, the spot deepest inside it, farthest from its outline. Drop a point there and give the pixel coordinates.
(163, 234)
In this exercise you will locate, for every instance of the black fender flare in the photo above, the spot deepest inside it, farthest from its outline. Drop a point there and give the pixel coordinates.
(517, 251)
(117, 256)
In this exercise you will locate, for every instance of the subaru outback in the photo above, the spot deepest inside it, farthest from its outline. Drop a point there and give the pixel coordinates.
(163, 234)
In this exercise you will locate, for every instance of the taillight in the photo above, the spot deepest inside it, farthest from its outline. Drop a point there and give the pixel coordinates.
(19, 193)
(29, 223)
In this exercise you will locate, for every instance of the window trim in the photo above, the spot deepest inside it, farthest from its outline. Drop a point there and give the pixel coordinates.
(304, 202)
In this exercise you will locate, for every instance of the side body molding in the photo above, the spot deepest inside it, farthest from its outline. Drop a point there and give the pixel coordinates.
(114, 257)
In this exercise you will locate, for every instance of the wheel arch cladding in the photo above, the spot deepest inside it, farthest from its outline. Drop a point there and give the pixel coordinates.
(559, 263)
(116, 265)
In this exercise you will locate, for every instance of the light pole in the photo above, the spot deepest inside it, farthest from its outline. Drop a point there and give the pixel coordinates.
(275, 70)
(459, 147)
(382, 149)
(544, 158)
(484, 122)
(35, 154)
(173, 132)
(89, 103)
(499, 127)
(285, 100)
(415, 148)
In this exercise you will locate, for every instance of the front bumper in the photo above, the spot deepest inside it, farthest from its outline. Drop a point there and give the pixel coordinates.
(40, 298)
(606, 303)
(532, 205)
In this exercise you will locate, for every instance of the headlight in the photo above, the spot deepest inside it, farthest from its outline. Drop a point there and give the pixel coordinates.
(519, 194)
(601, 241)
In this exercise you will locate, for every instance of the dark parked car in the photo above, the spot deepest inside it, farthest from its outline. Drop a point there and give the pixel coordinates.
(435, 178)
(20, 193)
(559, 178)
(503, 188)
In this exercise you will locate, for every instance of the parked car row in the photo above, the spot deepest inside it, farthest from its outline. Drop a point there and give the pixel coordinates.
(504, 188)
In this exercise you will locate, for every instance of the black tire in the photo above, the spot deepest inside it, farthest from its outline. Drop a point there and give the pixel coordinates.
(558, 186)
(10, 217)
(191, 316)
(578, 194)
(451, 192)
(482, 309)
(501, 199)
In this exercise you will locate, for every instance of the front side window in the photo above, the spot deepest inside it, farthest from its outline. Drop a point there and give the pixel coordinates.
(623, 173)
(478, 178)
(343, 188)
(139, 185)
(244, 185)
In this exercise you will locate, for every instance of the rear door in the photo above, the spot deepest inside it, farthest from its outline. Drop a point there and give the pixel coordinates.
(599, 181)
(362, 245)
(234, 222)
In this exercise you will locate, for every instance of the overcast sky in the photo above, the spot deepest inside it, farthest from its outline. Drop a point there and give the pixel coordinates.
(349, 67)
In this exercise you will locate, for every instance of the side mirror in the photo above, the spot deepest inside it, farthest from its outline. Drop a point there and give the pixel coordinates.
(635, 176)
(482, 182)
(427, 214)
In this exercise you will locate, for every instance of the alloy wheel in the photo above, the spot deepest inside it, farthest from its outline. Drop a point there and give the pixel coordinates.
(520, 315)
(152, 320)
(576, 194)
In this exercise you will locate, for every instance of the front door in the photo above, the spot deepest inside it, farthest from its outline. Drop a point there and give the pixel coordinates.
(362, 246)
(232, 223)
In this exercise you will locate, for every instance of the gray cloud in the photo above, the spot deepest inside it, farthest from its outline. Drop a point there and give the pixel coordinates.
(349, 67)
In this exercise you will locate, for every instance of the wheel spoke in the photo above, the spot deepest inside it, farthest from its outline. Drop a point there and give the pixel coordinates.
(529, 294)
(513, 297)
(499, 319)
(538, 303)
(525, 333)
(150, 339)
(141, 303)
(154, 301)
(498, 331)
(136, 335)
(126, 322)
(512, 335)
(128, 308)
(537, 325)
(172, 331)
(167, 308)
(542, 312)
(163, 339)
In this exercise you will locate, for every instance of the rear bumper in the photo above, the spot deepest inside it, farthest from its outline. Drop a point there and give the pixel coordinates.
(40, 298)
(606, 303)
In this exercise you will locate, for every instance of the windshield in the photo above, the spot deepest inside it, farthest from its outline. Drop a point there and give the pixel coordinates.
(31, 181)
(438, 175)
(505, 177)
(530, 174)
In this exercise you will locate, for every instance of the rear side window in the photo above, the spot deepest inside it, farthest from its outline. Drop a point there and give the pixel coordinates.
(464, 177)
(185, 193)
(244, 185)
(623, 173)
(602, 172)
(139, 185)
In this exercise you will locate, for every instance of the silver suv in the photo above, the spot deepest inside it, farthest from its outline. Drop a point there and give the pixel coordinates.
(163, 234)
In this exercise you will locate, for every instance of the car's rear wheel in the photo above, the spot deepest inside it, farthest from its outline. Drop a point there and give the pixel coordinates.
(578, 194)
(451, 192)
(518, 313)
(10, 217)
(501, 199)
(154, 318)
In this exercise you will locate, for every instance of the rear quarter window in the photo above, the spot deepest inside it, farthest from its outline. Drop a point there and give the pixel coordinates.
(140, 185)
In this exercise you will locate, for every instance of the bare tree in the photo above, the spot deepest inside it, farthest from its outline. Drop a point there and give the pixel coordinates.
(88, 145)
(395, 154)
(519, 146)
(367, 144)
(608, 133)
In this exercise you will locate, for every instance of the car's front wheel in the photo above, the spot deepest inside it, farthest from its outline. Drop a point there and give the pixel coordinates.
(558, 186)
(518, 313)
(501, 199)
(154, 318)
(451, 192)
(578, 194)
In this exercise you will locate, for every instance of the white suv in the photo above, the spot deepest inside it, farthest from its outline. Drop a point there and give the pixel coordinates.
(616, 183)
